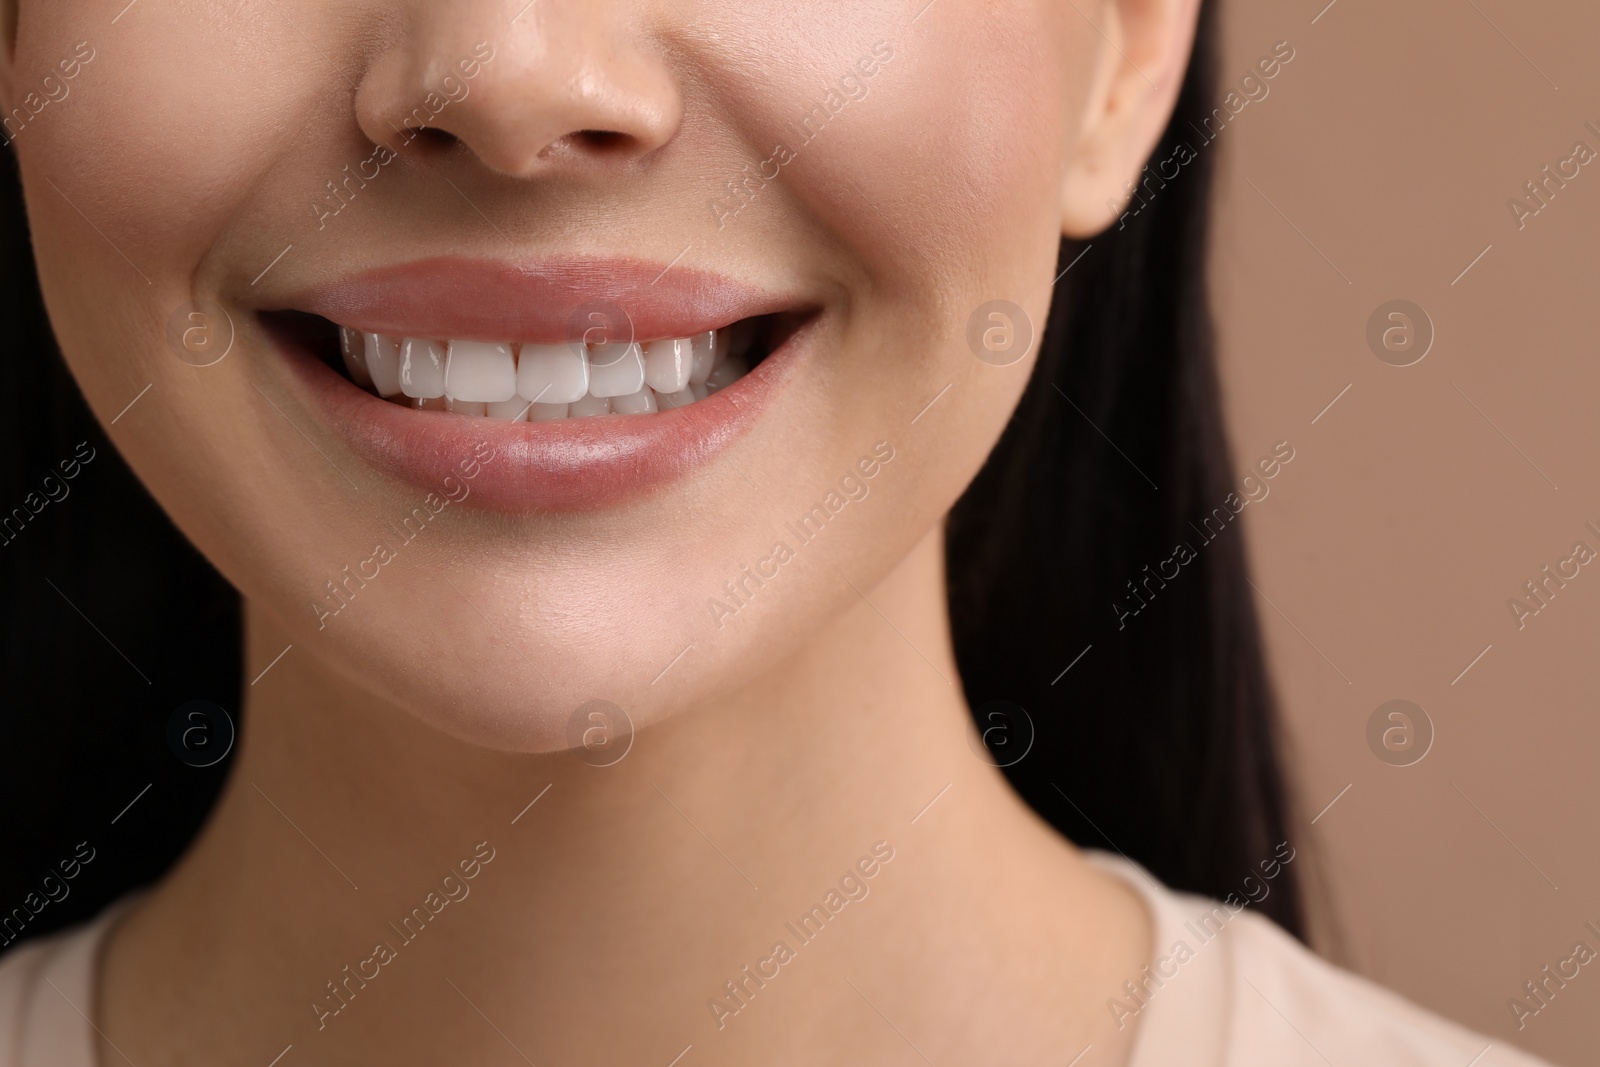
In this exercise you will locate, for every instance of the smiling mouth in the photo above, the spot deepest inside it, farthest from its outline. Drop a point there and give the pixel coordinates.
(591, 381)
(525, 381)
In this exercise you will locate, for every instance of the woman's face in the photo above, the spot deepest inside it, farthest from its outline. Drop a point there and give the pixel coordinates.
(828, 191)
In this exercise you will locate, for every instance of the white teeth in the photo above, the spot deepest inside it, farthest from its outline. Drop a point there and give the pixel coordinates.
(707, 346)
(668, 401)
(383, 363)
(726, 373)
(465, 407)
(667, 364)
(616, 369)
(641, 403)
(515, 409)
(481, 371)
(353, 349)
(552, 374)
(421, 368)
(546, 382)
(589, 406)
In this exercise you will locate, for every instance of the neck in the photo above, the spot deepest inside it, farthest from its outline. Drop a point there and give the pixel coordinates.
(362, 869)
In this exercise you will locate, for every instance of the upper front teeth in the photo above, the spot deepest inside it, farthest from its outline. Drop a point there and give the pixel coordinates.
(667, 364)
(476, 370)
(539, 382)
(552, 374)
(616, 369)
(422, 369)
(383, 362)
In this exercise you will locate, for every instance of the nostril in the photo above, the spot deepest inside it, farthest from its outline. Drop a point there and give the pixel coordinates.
(589, 143)
(600, 140)
(433, 137)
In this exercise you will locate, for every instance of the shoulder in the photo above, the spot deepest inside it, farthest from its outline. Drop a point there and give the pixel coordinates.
(1290, 998)
(1229, 988)
(46, 994)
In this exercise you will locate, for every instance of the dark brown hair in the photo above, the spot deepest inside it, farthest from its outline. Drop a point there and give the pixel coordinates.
(1160, 742)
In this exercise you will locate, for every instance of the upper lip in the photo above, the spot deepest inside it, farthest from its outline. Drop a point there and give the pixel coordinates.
(549, 301)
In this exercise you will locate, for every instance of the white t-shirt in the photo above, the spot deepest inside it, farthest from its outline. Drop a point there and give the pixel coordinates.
(1227, 988)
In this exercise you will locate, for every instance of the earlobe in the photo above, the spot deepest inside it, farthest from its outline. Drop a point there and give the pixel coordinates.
(1143, 56)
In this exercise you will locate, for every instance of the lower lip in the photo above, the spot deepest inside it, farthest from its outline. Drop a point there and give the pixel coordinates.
(582, 464)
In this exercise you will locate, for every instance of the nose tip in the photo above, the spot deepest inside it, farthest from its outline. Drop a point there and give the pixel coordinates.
(572, 91)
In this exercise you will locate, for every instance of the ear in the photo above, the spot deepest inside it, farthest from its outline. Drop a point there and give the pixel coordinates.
(1144, 48)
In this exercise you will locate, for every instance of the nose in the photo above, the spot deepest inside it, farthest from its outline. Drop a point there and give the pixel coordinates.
(550, 86)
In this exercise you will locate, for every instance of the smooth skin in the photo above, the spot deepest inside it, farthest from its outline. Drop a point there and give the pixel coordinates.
(773, 754)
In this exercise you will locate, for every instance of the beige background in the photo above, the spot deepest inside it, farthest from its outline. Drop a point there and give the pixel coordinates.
(1394, 540)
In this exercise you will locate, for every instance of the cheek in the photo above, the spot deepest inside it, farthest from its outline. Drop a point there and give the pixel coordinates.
(135, 177)
(947, 189)
(158, 154)
(940, 179)
(174, 124)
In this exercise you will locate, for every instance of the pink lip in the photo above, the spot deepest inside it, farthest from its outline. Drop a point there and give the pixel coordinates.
(484, 300)
(521, 467)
